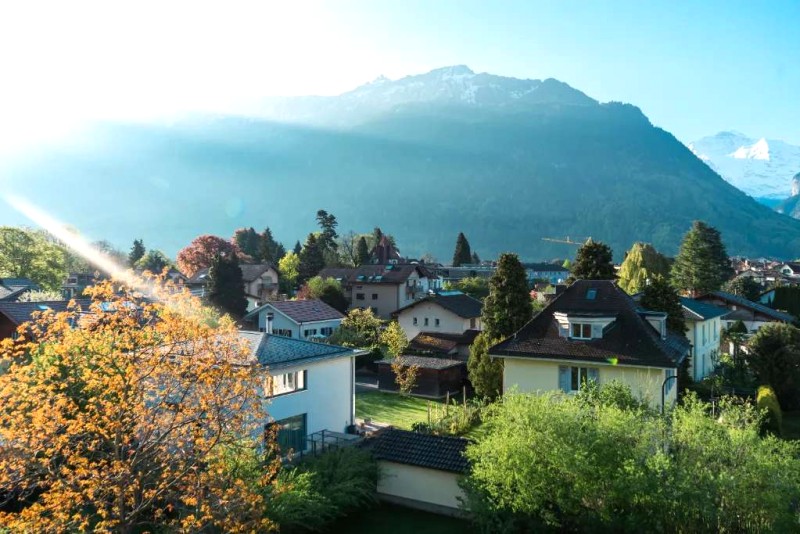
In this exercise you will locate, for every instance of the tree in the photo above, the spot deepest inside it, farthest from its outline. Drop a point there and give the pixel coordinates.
(702, 264)
(395, 342)
(328, 290)
(289, 267)
(744, 286)
(137, 252)
(462, 254)
(508, 306)
(131, 415)
(226, 286)
(594, 261)
(40, 296)
(660, 296)
(362, 252)
(642, 264)
(774, 359)
(201, 252)
(312, 260)
(476, 260)
(485, 374)
(297, 248)
(269, 250)
(474, 286)
(327, 223)
(249, 242)
(28, 254)
(360, 329)
(154, 261)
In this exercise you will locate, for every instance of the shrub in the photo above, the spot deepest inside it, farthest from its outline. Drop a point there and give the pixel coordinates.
(767, 401)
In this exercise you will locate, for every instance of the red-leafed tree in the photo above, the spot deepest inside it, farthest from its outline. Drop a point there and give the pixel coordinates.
(201, 252)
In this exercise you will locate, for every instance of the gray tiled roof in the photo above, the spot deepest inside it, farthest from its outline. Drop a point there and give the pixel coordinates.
(695, 309)
(426, 362)
(20, 312)
(392, 274)
(301, 311)
(250, 271)
(458, 303)
(755, 306)
(277, 352)
(443, 453)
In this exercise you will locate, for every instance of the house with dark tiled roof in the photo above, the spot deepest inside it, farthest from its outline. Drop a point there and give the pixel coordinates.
(384, 288)
(12, 289)
(434, 322)
(309, 387)
(421, 470)
(260, 283)
(704, 324)
(438, 376)
(790, 269)
(594, 331)
(299, 319)
(13, 314)
(754, 315)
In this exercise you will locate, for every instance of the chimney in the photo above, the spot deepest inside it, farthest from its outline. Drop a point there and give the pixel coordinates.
(268, 325)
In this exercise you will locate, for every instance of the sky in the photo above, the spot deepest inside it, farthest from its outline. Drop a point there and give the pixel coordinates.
(695, 68)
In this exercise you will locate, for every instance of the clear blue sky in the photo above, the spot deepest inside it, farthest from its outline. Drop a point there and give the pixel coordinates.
(694, 68)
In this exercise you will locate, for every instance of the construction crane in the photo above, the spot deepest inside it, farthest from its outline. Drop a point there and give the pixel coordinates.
(567, 241)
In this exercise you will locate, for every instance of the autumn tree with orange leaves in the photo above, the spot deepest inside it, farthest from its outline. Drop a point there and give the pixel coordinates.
(200, 253)
(121, 418)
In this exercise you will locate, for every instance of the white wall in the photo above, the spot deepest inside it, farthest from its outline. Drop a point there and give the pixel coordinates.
(414, 483)
(328, 400)
(449, 322)
(702, 363)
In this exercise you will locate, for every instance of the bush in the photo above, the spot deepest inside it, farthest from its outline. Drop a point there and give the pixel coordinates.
(451, 419)
(767, 401)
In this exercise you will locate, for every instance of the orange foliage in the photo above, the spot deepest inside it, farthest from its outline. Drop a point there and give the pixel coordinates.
(119, 419)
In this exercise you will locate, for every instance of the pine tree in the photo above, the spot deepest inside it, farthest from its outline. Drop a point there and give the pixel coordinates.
(462, 254)
(702, 264)
(226, 286)
(312, 259)
(476, 260)
(297, 248)
(485, 374)
(593, 262)
(508, 306)
(327, 223)
(642, 264)
(362, 252)
(137, 252)
(659, 295)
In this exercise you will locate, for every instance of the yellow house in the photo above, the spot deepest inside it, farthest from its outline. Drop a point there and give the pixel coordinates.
(594, 331)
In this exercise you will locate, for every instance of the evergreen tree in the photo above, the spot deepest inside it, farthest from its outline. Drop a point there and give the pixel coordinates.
(485, 374)
(226, 286)
(462, 254)
(312, 259)
(508, 306)
(593, 262)
(377, 234)
(659, 295)
(137, 252)
(269, 250)
(702, 264)
(362, 252)
(297, 248)
(642, 264)
(327, 223)
(247, 240)
(476, 260)
(746, 287)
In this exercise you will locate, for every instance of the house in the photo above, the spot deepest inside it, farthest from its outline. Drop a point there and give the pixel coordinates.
(421, 470)
(704, 323)
(753, 314)
(437, 376)
(12, 289)
(790, 269)
(384, 288)
(260, 283)
(299, 319)
(594, 331)
(553, 273)
(451, 313)
(456, 274)
(309, 387)
(76, 283)
(13, 314)
(384, 252)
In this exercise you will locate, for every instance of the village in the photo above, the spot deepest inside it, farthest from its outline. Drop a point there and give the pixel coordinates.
(357, 347)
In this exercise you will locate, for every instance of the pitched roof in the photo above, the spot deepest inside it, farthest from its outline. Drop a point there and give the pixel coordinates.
(630, 339)
(440, 342)
(301, 311)
(20, 312)
(278, 352)
(443, 453)
(458, 303)
(749, 304)
(695, 309)
(377, 274)
(426, 362)
(250, 271)
(18, 282)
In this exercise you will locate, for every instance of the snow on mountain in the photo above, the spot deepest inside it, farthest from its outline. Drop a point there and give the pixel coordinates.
(762, 168)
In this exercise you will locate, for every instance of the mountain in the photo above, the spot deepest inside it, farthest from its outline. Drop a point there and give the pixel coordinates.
(762, 168)
(506, 161)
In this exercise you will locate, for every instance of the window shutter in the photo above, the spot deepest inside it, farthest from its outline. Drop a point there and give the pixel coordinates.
(593, 374)
(564, 378)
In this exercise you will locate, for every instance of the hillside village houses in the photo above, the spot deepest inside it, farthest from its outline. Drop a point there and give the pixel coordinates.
(260, 283)
(753, 314)
(12, 289)
(299, 319)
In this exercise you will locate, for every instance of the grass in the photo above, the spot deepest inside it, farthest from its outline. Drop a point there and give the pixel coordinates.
(391, 408)
(400, 520)
(791, 425)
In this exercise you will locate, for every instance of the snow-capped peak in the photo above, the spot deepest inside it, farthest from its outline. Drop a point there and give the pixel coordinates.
(758, 150)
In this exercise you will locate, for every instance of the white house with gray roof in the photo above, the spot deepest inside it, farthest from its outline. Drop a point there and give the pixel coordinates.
(704, 323)
(299, 319)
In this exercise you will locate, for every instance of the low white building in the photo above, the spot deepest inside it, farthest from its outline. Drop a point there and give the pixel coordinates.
(704, 324)
(299, 319)
(309, 387)
(446, 322)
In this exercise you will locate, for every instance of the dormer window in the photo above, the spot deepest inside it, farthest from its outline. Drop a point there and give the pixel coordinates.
(581, 331)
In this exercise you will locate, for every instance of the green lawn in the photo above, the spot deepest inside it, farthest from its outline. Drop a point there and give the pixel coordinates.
(391, 408)
(398, 520)
(791, 425)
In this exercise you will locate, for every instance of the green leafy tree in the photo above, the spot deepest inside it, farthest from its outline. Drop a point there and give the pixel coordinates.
(462, 254)
(774, 358)
(226, 285)
(248, 241)
(154, 261)
(40, 296)
(660, 296)
(594, 261)
(702, 264)
(474, 286)
(328, 290)
(29, 254)
(508, 306)
(289, 267)
(360, 329)
(362, 251)
(485, 374)
(787, 298)
(395, 342)
(312, 259)
(137, 252)
(642, 264)
(744, 286)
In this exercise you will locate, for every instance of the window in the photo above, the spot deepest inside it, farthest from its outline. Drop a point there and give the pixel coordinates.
(285, 332)
(426, 321)
(310, 332)
(359, 296)
(291, 434)
(415, 321)
(436, 322)
(570, 379)
(374, 296)
(581, 331)
(285, 383)
(326, 331)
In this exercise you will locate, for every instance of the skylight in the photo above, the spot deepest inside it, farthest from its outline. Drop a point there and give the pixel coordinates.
(43, 307)
(591, 294)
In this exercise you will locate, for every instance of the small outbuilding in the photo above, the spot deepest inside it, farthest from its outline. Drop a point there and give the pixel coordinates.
(437, 376)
